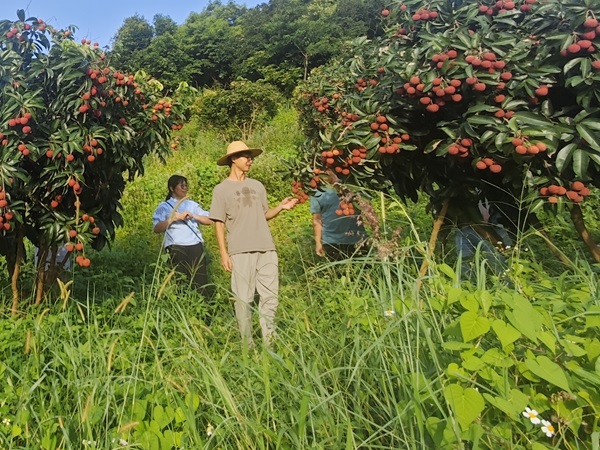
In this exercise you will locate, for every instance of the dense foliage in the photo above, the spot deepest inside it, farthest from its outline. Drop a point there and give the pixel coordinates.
(73, 129)
(466, 101)
(277, 41)
(237, 111)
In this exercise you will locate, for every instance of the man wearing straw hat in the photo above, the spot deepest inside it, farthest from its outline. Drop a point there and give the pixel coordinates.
(239, 205)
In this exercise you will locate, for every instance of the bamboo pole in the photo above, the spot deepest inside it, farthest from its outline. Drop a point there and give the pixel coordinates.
(17, 272)
(432, 241)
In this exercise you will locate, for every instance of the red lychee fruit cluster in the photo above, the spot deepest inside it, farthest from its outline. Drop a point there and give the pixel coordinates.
(505, 6)
(488, 164)
(346, 208)
(424, 14)
(525, 147)
(460, 147)
(6, 215)
(583, 42)
(576, 194)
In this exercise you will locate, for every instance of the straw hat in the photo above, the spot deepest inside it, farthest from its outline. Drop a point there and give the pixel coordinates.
(237, 147)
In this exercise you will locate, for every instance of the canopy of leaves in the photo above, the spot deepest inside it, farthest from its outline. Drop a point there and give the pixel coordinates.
(72, 130)
(278, 41)
(464, 101)
(236, 111)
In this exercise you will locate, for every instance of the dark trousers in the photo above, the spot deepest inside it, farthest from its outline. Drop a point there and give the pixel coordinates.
(337, 252)
(190, 260)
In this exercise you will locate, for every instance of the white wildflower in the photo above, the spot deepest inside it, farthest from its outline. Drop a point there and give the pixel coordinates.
(548, 428)
(532, 415)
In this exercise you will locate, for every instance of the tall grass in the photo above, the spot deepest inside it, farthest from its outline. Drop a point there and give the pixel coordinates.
(125, 359)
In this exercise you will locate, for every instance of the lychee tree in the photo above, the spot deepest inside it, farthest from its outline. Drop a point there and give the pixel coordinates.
(465, 101)
(73, 130)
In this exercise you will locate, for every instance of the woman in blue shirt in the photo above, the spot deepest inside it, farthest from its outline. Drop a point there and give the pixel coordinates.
(178, 217)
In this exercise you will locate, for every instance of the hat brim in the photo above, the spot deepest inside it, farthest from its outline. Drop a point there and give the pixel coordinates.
(253, 151)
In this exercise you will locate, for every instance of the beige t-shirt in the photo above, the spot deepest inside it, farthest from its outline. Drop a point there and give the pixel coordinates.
(242, 205)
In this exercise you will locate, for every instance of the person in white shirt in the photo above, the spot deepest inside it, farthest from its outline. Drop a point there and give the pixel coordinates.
(178, 217)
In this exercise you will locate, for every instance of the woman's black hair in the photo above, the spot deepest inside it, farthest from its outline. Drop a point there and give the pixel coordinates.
(173, 182)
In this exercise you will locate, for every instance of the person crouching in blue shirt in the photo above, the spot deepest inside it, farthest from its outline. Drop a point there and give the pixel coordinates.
(178, 217)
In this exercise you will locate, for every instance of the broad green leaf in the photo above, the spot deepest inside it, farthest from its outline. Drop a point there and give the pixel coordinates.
(469, 302)
(456, 345)
(497, 358)
(441, 432)
(535, 120)
(447, 270)
(548, 370)
(472, 326)
(581, 162)
(564, 156)
(569, 65)
(506, 333)
(454, 370)
(525, 318)
(548, 339)
(588, 377)
(486, 301)
(483, 120)
(591, 124)
(589, 136)
(572, 348)
(467, 404)
(514, 406)
(455, 293)
(539, 446)
(592, 347)
(473, 363)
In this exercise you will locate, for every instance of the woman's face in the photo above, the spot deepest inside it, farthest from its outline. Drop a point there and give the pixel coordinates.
(180, 191)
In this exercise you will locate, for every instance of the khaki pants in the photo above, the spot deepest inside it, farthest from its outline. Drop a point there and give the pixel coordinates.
(256, 271)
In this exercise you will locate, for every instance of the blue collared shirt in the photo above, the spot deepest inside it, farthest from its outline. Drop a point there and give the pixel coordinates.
(181, 232)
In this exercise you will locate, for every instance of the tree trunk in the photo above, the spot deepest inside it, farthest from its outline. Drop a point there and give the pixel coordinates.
(432, 241)
(42, 257)
(586, 237)
(17, 271)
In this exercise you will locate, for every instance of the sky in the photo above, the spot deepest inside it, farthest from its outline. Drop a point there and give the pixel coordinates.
(99, 21)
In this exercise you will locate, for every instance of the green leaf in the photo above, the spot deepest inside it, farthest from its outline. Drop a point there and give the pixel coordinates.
(531, 119)
(472, 363)
(548, 339)
(592, 139)
(505, 332)
(467, 404)
(569, 65)
(591, 124)
(441, 432)
(511, 407)
(548, 370)
(497, 358)
(581, 162)
(572, 348)
(454, 294)
(564, 155)
(469, 302)
(525, 318)
(483, 120)
(592, 317)
(473, 326)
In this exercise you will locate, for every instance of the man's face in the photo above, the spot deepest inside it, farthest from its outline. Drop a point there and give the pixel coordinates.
(243, 161)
